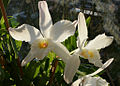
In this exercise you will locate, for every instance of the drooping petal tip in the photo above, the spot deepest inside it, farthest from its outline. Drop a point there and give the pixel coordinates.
(71, 68)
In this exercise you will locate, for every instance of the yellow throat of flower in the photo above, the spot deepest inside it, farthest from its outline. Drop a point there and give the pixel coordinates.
(43, 44)
(87, 54)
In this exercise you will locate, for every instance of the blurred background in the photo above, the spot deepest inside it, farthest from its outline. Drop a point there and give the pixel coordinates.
(104, 18)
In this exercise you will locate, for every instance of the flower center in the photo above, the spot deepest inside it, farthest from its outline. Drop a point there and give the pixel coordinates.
(90, 53)
(87, 53)
(43, 44)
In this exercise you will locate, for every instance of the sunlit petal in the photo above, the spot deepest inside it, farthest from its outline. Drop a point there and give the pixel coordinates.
(71, 68)
(60, 50)
(82, 28)
(62, 30)
(25, 33)
(45, 20)
(101, 41)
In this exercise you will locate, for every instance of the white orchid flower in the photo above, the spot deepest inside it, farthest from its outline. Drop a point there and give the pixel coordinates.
(48, 39)
(90, 51)
(89, 80)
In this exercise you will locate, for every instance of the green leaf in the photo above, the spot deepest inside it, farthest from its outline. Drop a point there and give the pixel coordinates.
(2, 21)
(14, 47)
(32, 70)
(13, 22)
(88, 21)
(47, 64)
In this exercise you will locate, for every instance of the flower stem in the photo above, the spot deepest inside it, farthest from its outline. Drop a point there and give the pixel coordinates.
(7, 26)
(53, 71)
(4, 14)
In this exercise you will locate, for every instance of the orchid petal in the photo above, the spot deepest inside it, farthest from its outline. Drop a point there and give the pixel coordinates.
(27, 59)
(62, 30)
(95, 81)
(82, 29)
(45, 20)
(25, 33)
(77, 82)
(101, 41)
(95, 59)
(60, 50)
(75, 23)
(71, 68)
(90, 81)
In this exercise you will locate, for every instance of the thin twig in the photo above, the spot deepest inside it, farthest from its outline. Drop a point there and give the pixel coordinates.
(53, 71)
(4, 14)
(7, 25)
(111, 80)
(19, 65)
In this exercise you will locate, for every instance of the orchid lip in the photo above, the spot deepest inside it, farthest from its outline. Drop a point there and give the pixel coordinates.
(43, 44)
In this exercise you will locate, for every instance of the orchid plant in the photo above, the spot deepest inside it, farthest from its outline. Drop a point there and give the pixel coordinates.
(90, 51)
(44, 40)
(48, 39)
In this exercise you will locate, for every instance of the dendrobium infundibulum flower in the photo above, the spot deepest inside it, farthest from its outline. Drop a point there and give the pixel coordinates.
(91, 80)
(90, 51)
(48, 39)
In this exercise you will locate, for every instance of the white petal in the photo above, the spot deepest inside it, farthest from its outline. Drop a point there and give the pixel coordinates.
(105, 65)
(45, 21)
(82, 28)
(71, 68)
(77, 82)
(75, 23)
(101, 82)
(27, 59)
(60, 50)
(36, 52)
(101, 41)
(62, 30)
(90, 81)
(95, 81)
(25, 33)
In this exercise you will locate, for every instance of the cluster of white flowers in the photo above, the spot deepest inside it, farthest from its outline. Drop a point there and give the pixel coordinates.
(49, 38)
